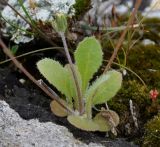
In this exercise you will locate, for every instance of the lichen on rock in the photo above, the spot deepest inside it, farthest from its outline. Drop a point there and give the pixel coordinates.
(38, 10)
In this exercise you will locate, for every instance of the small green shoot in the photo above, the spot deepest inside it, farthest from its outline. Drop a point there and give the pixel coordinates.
(14, 49)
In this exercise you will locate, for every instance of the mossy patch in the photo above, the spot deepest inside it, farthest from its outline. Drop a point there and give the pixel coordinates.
(131, 90)
(152, 24)
(152, 133)
(145, 61)
(144, 57)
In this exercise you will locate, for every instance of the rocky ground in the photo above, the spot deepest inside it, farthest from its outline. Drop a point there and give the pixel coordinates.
(27, 121)
(16, 131)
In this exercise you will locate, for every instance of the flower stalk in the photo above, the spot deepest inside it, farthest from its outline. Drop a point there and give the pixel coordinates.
(79, 93)
(60, 25)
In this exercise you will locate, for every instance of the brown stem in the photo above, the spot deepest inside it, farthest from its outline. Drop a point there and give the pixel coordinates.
(41, 82)
(19, 65)
(80, 100)
(122, 37)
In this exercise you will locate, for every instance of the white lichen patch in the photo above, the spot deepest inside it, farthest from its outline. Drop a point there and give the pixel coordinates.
(43, 10)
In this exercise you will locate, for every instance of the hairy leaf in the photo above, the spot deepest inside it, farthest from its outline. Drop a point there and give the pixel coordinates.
(88, 58)
(104, 88)
(72, 87)
(56, 74)
(83, 123)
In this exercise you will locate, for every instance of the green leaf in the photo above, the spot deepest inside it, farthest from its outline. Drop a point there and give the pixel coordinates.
(83, 123)
(14, 49)
(56, 74)
(104, 88)
(72, 87)
(88, 58)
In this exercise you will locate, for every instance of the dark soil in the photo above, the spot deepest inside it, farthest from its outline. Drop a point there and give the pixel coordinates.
(31, 103)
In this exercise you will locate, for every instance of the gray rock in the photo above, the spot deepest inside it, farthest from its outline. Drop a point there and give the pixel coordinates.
(16, 132)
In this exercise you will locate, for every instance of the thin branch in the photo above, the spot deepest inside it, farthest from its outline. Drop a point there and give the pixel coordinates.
(32, 52)
(20, 66)
(109, 29)
(41, 82)
(122, 37)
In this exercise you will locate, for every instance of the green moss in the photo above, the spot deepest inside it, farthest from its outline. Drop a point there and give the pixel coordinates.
(145, 61)
(120, 107)
(152, 24)
(152, 133)
(151, 21)
(151, 78)
(135, 91)
(138, 93)
(81, 7)
(144, 57)
(150, 30)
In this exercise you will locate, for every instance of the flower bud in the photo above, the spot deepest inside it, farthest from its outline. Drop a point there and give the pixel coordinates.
(153, 94)
(60, 23)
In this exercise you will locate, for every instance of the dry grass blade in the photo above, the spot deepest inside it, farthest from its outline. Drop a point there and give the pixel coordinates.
(122, 37)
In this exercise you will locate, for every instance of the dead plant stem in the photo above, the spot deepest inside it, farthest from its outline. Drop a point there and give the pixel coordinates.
(122, 37)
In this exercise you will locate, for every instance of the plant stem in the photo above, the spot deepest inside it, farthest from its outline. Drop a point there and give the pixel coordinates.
(114, 29)
(41, 82)
(19, 65)
(80, 100)
(122, 37)
(26, 13)
(32, 52)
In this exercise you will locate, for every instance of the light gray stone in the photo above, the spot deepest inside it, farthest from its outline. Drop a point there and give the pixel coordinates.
(16, 132)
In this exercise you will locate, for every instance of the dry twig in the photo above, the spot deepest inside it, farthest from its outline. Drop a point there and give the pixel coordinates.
(122, 37)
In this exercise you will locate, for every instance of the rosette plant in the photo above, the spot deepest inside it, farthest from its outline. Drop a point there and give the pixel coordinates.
(73, 81)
